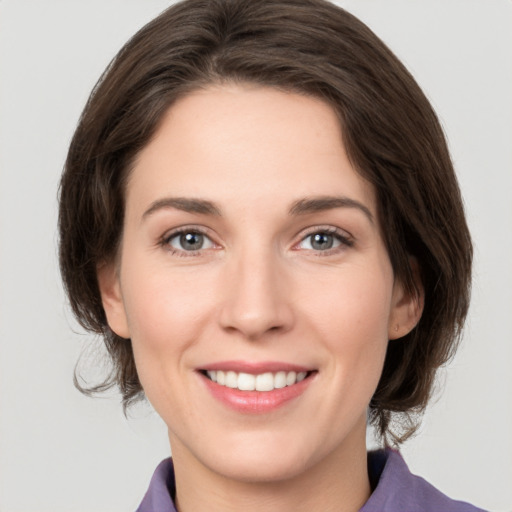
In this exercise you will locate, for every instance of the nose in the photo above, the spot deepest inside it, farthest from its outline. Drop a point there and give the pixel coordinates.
(256, 296)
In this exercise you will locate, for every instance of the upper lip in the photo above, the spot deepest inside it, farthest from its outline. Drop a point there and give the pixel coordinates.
(255, 368)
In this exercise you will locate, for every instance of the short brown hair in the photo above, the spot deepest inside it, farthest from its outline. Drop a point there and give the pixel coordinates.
(390, 131)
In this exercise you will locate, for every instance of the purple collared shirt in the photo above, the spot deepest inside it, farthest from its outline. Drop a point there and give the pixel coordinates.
(396, 489)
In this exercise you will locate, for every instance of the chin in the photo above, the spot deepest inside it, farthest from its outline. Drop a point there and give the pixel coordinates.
(263, 460)
(271, 469)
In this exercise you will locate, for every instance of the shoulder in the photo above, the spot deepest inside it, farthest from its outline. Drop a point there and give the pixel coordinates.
(397, 489)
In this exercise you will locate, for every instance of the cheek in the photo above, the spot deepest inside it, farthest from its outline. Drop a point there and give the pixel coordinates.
(165, 318)
(354, 305)
(170, 311)
(352, 320)
(164, 311)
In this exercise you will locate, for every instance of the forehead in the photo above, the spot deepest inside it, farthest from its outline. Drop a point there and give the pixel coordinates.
(247, 143)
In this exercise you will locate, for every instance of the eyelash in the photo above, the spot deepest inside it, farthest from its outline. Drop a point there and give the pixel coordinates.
(166, 239)
(344, 240)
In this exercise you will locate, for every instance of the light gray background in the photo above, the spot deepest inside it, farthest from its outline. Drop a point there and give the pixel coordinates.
(60, 451)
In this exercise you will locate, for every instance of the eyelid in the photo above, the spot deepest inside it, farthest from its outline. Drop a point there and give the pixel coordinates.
(346, 239)
(188, 228)
(164, 240)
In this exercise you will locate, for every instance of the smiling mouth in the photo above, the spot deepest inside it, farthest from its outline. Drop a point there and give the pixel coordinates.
(267, 381)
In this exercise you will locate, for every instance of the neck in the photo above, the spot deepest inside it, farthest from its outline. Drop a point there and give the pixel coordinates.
(339, 482)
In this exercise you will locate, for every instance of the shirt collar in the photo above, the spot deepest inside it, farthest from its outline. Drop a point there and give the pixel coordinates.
(160, 494)
(395, 488)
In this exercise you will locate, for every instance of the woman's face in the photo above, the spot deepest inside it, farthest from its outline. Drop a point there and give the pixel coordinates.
(252, 255)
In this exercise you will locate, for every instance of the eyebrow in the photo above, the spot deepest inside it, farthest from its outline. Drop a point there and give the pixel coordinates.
(201, 206)
(300, 207)
(322, 203)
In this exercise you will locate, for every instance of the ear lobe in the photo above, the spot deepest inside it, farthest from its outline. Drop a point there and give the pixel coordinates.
(112, 299)
(407, 306)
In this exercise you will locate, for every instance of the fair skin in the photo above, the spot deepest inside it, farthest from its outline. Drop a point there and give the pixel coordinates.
(251, 245)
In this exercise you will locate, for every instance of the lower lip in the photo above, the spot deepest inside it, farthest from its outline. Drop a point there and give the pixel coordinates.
(256, 402)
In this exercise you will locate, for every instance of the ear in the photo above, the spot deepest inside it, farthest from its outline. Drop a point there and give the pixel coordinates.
(112, 299)
(407, 307)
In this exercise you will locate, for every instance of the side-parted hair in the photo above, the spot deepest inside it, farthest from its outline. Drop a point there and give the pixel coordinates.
(390, 131)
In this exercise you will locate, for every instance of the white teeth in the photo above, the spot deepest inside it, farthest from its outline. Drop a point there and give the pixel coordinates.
(280, 380)
(246, 382)
(231, 380)
(262, 382)
(265, 382)
(291, 378)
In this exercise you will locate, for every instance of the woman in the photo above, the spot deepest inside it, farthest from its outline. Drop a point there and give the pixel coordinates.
(260, 216)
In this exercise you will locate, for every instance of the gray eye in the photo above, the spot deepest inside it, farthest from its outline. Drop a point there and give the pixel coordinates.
(190, 241)
(322, 241)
